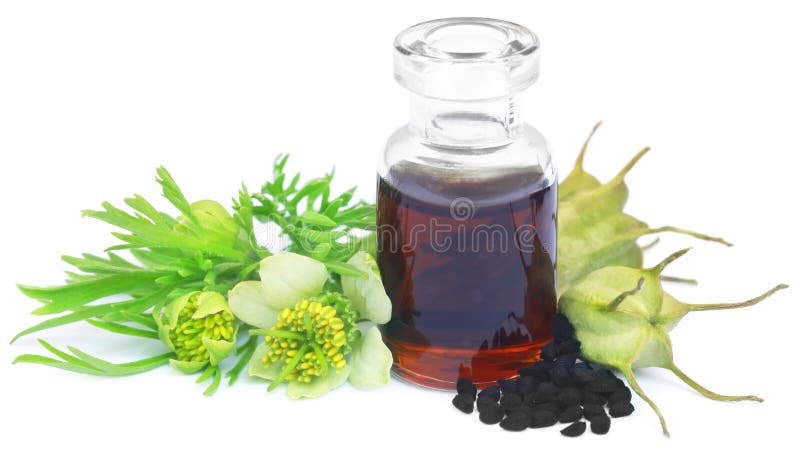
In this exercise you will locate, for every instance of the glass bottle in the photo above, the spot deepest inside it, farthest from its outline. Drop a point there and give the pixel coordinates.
(467, 207)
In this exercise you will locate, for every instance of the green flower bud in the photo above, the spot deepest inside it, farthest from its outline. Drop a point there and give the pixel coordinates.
(199, 328)
(310, 339)
(217, 223)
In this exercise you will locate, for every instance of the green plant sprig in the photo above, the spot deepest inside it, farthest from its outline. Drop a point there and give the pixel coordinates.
(173, 254)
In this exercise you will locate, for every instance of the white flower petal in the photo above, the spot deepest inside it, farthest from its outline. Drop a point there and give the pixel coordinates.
(248, 302)
(368, 296)
(288, 278)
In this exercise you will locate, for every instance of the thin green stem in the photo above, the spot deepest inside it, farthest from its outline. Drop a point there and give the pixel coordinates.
(612, 306)
(708, 393)
(278, 334)
(628, 373)
(737, 305)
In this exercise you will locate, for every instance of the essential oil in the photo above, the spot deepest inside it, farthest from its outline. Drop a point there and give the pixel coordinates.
(469, 267)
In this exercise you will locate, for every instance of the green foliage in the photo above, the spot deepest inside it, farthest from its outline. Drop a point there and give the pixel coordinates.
(162, 256)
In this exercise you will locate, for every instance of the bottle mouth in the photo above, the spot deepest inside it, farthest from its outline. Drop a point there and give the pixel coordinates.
(466, 58)
(466, 39)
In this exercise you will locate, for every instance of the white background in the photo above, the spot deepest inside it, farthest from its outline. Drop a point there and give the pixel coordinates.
(95, 95)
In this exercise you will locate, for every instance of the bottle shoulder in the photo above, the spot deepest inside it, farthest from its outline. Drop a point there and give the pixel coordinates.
(528, 153)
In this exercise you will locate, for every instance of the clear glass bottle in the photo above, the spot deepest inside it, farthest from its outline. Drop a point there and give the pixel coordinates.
(467, 207)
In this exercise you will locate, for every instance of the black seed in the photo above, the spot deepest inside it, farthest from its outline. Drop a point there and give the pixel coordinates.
(549, 351)
(590, 411)
(569, 396)
(605, 373)
(485, 402)
(562, 328)
(491, 392)
(464, 402)
(551, 406)
(582, 373)
(546, 392)
(602, 386)
(600, 424)
(571, 414)
(507, 386)
(492, 414)
(528, 410)
(527, 385)
(620, 409)
(516, 422)
(575, 429)
(465, 386)
(511, 400)
(621, 394)
(592, 398)
(545, 365)
(571, 346)
(543, 418)
(561, 376)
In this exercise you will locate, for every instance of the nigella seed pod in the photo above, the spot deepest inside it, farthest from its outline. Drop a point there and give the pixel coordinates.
(464, 403)
(465, 386)
(575, 429)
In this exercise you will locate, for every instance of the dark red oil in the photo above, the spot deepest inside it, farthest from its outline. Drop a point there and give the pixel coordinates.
(472, 307)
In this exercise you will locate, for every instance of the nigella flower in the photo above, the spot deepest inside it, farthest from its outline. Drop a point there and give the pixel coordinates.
(311, 337)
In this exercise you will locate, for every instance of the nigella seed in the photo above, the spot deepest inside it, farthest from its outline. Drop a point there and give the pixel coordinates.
(575, 429)
(520, 409)
(465, 386)
(527, 385)
(515, 422)
(511, 400)
(543, 418)
(491, 392)
(484, 403)
(569, 396)
(492, 415)
(620, 395)
(571, 414)
(591, 411)
(562, 328)
(561, 376)
(552, 406)
(507, 386)
(546, 392)
(571, 346)
(582, 373)
(620, 409)
(602, 386)
(549, 351)
(600, 424)
(464, 402)
(592, 398)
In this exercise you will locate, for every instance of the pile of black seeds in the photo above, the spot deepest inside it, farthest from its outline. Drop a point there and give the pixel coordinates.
(560, 388)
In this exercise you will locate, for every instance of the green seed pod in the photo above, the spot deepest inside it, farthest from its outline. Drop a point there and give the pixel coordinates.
(199, 327)
(629, 330)
(593, 230)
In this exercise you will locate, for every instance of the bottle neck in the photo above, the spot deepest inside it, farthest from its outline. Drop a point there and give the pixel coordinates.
(466, 124)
